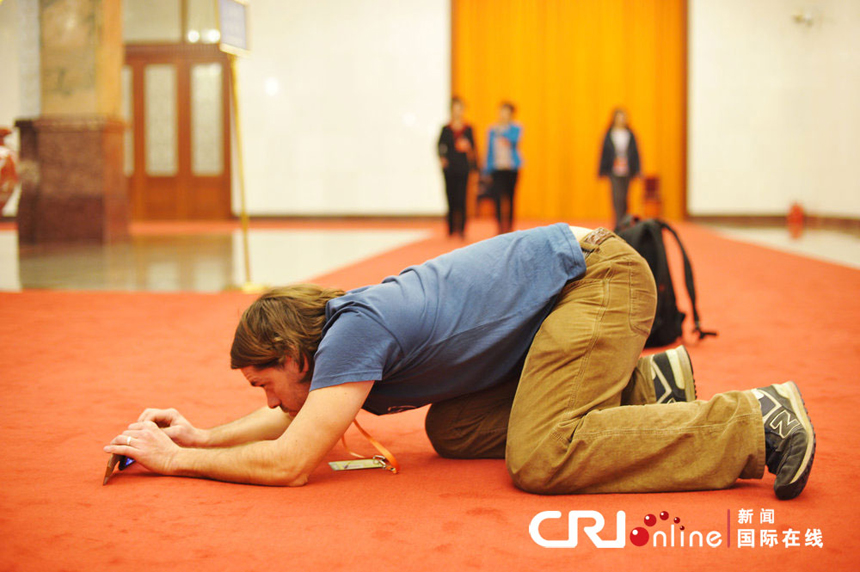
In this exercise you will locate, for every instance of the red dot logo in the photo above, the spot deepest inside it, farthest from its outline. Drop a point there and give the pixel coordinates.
(639, 536)
(650, 520)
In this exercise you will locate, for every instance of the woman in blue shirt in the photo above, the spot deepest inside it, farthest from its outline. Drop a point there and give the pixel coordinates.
(503, 164)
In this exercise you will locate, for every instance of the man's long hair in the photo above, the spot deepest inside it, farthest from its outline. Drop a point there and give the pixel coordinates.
(283, 322)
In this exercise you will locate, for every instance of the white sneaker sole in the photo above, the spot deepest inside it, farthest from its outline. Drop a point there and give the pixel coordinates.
(679, 359)
(790, 391)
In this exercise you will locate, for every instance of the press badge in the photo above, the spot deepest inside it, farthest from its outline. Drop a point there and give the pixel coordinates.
(355, 464)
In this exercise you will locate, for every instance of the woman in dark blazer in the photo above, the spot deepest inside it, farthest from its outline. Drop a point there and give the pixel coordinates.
(456, 148)
(619, 161)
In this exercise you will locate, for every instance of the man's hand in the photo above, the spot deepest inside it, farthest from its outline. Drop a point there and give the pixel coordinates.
(147, 444)
(288, 453)
(176, 427)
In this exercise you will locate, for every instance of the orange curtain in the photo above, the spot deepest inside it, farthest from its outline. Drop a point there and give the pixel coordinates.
(566, 64)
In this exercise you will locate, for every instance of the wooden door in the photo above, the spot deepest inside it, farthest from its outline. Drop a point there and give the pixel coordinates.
(178, 142)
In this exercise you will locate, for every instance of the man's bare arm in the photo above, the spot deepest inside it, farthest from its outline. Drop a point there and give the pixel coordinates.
(260, 425)
(264, 424)
(286, 461)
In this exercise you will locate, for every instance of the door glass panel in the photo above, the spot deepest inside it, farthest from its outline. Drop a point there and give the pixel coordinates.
(147, 21)
(160, 117)
(202, 22)
(128, 116)
(207, 145)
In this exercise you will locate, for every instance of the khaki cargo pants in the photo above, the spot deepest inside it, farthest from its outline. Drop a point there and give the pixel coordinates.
(581, 418)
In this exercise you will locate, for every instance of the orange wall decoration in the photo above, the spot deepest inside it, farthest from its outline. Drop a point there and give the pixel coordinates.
(566, 64)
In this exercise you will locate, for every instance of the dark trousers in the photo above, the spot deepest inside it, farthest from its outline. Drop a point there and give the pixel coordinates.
(455, 190)
(620, 185)
(504, 185)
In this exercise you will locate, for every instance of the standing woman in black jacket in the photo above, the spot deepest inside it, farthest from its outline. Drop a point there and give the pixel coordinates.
(457, 157)
(619, 160)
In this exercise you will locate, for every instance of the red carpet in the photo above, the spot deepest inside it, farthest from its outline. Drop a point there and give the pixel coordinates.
(77, 367)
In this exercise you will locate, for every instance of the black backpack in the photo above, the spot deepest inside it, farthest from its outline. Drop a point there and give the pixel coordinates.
(646, 237)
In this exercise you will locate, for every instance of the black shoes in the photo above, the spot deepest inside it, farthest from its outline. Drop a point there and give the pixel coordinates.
(788, 433)
(673, 376)
(789, 437)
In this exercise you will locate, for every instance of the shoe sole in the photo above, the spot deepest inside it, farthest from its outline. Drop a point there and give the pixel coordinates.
(798, 482)
(682, 376)
(679, 360)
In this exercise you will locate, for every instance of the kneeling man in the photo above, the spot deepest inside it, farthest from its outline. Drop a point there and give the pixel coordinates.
(527, 345)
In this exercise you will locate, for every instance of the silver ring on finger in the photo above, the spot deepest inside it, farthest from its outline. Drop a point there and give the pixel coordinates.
(128, 441)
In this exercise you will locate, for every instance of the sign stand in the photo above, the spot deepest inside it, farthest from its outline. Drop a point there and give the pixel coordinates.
(249, 286)
(233, 24)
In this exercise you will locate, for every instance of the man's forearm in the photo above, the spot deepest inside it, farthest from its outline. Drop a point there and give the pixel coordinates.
(263, 424)
(259, 463)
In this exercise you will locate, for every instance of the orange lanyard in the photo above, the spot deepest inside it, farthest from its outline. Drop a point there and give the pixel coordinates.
(387, 457)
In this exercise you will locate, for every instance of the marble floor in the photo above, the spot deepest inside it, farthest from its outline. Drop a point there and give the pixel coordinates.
(199, 262)
(176, 258)
(830, 245)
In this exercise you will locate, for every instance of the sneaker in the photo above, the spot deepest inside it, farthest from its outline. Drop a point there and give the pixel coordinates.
(789, 438)
(673, 376)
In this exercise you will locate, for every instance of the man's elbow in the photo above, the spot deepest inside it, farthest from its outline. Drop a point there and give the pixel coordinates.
(299, 481)
(288, 477)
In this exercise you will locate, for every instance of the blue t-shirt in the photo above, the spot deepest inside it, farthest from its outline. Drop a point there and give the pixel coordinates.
(454, 325)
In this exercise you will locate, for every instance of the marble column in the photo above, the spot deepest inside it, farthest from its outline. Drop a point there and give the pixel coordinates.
(77, 191)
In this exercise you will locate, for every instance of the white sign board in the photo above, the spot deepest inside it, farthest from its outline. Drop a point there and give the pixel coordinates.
(233, 24)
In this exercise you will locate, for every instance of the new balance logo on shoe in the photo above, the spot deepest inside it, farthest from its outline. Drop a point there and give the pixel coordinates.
(788, 436)
(783, 423)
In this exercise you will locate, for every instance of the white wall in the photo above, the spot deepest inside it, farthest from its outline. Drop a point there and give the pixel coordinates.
(20, 95)
(774, 107)
(341, 103)
(9, 82)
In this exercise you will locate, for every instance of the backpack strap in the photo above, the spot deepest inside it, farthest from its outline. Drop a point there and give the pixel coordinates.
(688, 280)
(653, 228)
